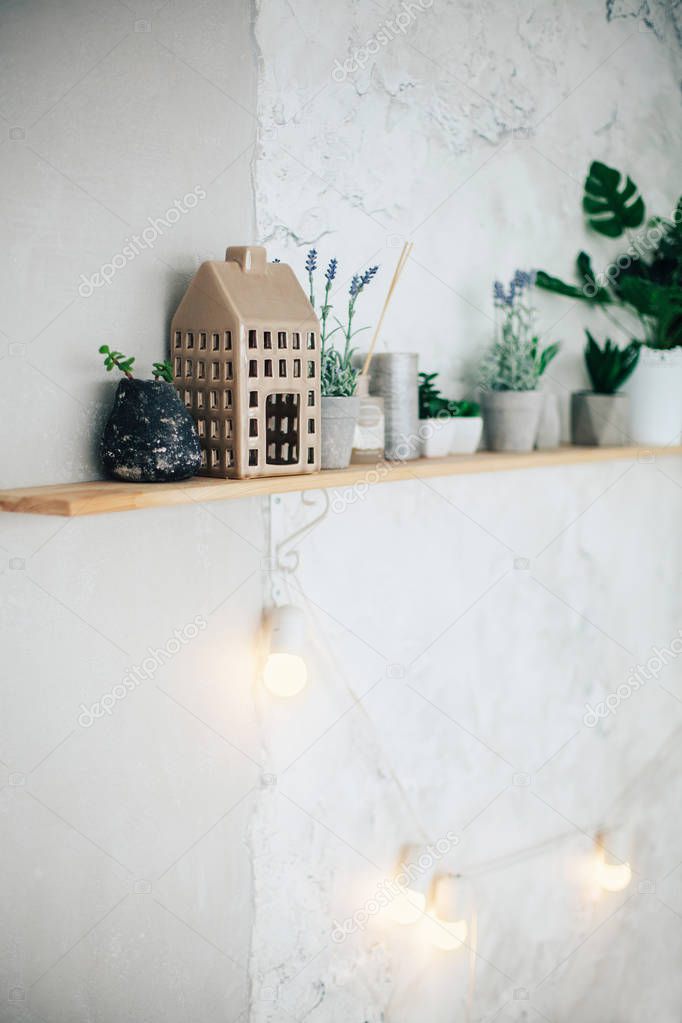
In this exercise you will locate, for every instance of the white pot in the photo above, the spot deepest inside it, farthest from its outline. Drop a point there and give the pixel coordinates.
(435, 436)
(655, 390)
(466, 435)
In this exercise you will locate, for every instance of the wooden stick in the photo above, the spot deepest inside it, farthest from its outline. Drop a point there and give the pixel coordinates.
(404, 256)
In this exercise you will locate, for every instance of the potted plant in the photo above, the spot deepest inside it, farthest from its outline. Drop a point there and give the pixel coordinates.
(645, 283)
(447, 427)
(600, 417)
(512, 368)
(338, 377)
(150, 436)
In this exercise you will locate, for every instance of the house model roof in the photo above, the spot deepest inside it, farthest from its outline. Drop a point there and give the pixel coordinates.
(260, 294)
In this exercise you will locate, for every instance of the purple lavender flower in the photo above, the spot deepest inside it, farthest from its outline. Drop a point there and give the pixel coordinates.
(521, 280)
(330, 272)
(499, 293)
(360, 281)
(311, 260)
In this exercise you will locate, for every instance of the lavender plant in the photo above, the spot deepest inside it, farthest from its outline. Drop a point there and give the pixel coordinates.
(338, 376)
(515, 361)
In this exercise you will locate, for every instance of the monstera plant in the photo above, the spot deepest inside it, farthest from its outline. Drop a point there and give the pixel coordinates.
(646, 279)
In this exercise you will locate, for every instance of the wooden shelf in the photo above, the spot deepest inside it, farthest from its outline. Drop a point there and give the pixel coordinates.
(109, 496)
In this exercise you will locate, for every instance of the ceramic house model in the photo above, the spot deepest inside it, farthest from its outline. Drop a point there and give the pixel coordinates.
(246, 363)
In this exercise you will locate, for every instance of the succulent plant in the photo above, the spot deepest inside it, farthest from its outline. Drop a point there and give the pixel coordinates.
(124, 363)
(609, 367)
(432, 405)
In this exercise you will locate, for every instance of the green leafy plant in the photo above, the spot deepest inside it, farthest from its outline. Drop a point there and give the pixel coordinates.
(646, 280)
(338, 376)
(610, 208)
(163, 371)
(609, 367)
(515, 362)
(433, 406)
(124, 363)
(117, 360)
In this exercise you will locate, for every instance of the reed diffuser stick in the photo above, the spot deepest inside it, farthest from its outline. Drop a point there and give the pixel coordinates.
(404, 256)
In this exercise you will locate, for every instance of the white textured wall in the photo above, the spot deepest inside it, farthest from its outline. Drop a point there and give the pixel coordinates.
(185, 857)
(470, 133)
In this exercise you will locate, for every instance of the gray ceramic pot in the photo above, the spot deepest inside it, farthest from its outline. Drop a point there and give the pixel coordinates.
(339, 416)
(549, 427)
(511, 419)
(599, 420)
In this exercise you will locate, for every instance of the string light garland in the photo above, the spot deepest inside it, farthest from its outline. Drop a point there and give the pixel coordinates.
(431, 904)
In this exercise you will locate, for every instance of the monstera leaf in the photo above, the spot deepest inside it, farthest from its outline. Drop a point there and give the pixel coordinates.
(611, 208)
(588, 291)
(548, 283)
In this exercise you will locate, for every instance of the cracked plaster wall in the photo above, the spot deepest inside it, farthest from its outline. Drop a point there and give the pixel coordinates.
(462, 626)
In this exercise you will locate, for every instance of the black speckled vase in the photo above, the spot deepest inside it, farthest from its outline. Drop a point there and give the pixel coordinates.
(150, 436)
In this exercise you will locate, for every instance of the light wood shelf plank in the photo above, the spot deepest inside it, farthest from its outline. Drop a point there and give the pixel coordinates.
(103, 496)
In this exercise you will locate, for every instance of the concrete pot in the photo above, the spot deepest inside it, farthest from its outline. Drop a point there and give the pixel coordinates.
(339, 416)
(655, 390)
(599, 420)
(549, 428)
(150, 436)
(511, 419)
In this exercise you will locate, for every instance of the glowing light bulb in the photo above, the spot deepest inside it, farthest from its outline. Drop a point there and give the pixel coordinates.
(448, 935)
(286, 673)
(443, 928)
(612, 877)
(408, 889)
(406, 906)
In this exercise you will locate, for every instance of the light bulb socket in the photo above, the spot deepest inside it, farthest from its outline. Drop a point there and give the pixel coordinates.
(411, 872)
(286, 630)
(445, 896)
